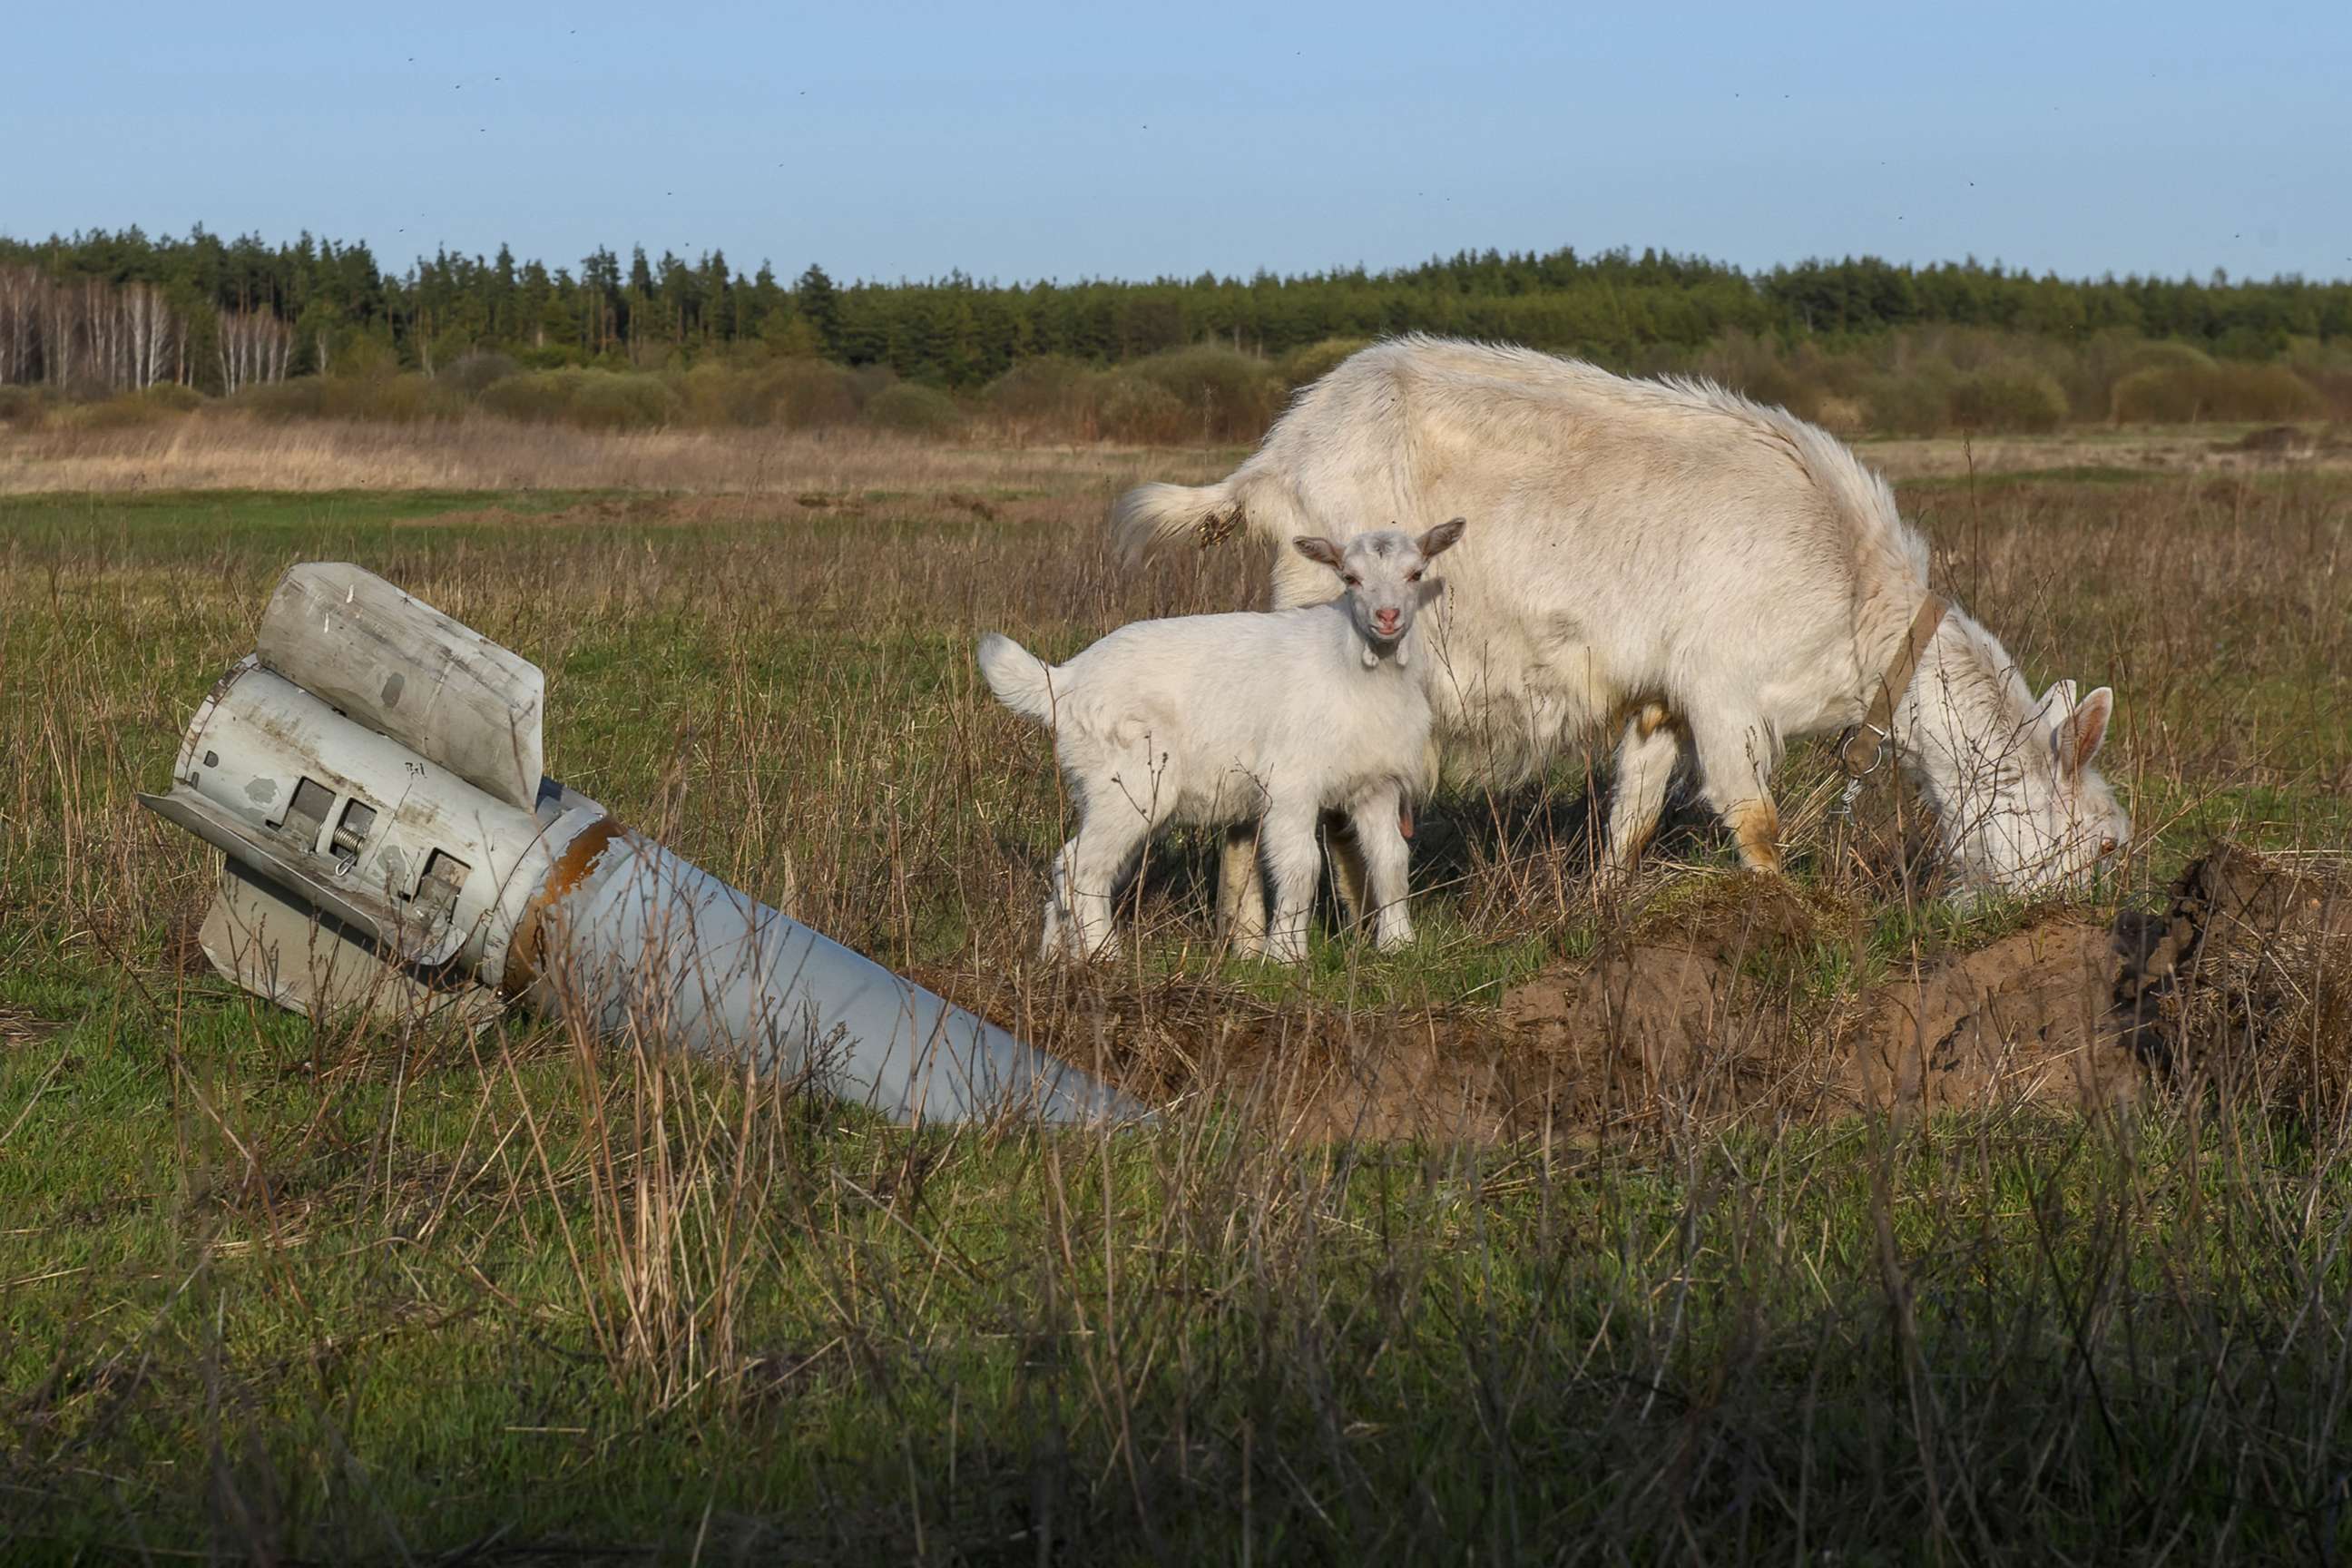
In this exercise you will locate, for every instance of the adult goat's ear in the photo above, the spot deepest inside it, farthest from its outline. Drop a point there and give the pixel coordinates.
(2078, 739)
(1317, 550)
(1442, 538)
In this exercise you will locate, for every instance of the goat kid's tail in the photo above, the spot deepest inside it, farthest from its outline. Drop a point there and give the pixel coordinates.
(1022, 681)
(1149, 516)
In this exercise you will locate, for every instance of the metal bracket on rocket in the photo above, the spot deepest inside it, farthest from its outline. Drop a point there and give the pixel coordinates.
(371, 776)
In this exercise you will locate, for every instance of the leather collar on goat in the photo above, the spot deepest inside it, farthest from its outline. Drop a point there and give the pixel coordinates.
(1877, 726)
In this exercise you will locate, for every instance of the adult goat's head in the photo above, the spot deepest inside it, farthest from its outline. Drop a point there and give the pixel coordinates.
(2034, 814)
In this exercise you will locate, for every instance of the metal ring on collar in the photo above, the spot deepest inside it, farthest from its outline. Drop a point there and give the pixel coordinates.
(1877, 754)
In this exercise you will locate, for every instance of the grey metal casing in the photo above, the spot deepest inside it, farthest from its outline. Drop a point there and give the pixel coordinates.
(372, 776)
(648, 946)
(439, 874)
(405, 670)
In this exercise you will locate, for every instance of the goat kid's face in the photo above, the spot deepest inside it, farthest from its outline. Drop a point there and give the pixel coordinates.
(1386, 578)
(2053, 819)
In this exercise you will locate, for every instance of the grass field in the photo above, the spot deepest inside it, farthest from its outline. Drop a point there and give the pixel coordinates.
(286, 1293)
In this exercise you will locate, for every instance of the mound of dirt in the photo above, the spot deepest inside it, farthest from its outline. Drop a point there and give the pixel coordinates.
(1325, 1076)
(1720, 1004)
(2029, 1017)
(2243, 981)
(1691, 1030)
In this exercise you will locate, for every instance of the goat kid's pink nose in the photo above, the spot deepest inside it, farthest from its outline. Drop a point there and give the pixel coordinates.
(1386, 618)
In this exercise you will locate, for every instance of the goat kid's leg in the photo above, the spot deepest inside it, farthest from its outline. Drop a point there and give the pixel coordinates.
(1058, 913)
(1241, 890)
(1387, 861)
(1291, 864)
(1098, 861)
(1735, 761)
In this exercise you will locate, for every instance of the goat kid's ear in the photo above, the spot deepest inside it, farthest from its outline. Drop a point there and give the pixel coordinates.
(2058, 701)
(1317, 550)
(2085, 731)
(1442, 538)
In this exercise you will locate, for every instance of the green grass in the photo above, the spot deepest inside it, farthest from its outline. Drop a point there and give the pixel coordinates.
(280, 1291)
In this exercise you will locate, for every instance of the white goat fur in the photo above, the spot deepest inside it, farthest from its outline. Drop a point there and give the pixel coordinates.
(1267, 717)
(1667, 557)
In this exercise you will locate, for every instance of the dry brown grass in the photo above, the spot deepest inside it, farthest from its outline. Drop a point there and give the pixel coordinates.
(2204, 449)
(487, 453)
(228, 451)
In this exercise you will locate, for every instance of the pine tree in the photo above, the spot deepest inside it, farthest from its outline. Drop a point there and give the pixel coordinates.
(819, 303)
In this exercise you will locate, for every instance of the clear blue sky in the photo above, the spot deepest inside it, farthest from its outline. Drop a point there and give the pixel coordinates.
(1020, 141)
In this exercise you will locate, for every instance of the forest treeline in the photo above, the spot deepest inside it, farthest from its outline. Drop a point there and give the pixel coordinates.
(108, 313)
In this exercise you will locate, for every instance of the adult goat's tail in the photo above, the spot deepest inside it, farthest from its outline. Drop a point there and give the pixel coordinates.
(1022, 681)
(1151, 516)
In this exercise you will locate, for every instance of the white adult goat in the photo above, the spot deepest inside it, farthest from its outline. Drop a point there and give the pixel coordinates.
(1272, 719)
(1669, 561)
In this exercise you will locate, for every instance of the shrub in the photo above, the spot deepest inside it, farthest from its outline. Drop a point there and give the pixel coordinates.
(356, 351)
(2187, 393)
(1225, 395)
(2015, 398)
(304, 398)
(1843, 416)
(1916, 402)
(2334, 390)
(1742, 363)
(128, 410)
(610, 402)
(713, 394)
(1776, 386)
(1131, 409)
(473, 373)
(1318, 360)
(867, 380)
(593, 399)
(22, 407)
(801, 393)
(175, 398)
(401, 399)
(2163, 354)
(1050, 390)
(914, 410)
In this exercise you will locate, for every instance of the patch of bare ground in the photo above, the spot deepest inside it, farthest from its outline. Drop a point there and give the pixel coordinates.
(1714, 1013)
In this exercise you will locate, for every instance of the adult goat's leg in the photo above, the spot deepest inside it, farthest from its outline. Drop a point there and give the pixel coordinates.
(1735, 760)
(1241, 890)
(1647, 755)
(1343, 840)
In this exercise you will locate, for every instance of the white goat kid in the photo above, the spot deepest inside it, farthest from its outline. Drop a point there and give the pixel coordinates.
(1270, 718)
(1670, 564)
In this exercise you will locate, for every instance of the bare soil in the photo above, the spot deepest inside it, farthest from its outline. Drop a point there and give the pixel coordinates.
(1715, 1014)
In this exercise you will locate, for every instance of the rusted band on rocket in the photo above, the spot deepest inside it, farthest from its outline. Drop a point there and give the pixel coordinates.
(579, 857)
